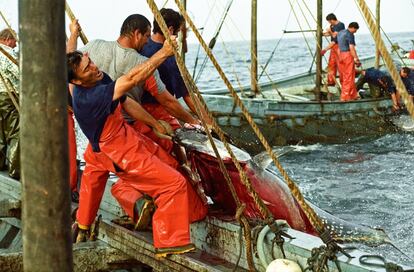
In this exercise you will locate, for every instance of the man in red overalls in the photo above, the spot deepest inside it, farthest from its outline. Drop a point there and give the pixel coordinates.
(334, 28)
(348, 58)
(116, 147)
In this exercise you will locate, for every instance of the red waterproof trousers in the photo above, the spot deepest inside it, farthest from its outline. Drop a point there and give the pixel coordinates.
(124, 149)
(333, 65)
(159, 113)
(73, 169)
(347, 71)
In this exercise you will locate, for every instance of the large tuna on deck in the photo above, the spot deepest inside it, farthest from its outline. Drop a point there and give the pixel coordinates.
(274, 192)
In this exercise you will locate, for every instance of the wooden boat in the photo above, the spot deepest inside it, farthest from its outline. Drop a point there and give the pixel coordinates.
(218, 241)
(297, 118)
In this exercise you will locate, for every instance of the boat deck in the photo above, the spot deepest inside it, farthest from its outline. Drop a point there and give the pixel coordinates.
(219, 243)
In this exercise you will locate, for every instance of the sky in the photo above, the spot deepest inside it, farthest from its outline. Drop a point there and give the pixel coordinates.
(103, 18)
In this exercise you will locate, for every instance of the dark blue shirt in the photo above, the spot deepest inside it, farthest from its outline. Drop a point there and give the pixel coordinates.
(373, 76)
(336, 28)
(169, 73)
(409, 82)
(92, 106)
(345, 38)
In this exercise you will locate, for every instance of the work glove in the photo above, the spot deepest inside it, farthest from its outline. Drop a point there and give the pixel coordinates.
(85, 233)
(195, 127)
(323, 52)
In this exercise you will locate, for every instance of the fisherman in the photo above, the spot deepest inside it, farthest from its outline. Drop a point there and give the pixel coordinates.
(332, 31)
(348, 59)
(9, 115)
(116, 58)
(116, 147)
(381, 81)
(169, 72)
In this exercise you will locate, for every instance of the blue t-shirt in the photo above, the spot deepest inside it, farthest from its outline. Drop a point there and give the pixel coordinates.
(336, 28)
(409, 82)
(345, 38)
(92, 106)
(169, 73)
(373, 76)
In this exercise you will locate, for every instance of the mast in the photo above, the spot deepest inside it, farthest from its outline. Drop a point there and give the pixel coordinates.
(46, 219)
(253, 49)
(378, 15)
(318, 51)
(184, 35)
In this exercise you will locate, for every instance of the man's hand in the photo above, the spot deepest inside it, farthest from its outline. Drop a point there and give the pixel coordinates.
(79, 235)
(357, 62)
(163, 130)
(323, 52)
(75, 28)
(169, 48)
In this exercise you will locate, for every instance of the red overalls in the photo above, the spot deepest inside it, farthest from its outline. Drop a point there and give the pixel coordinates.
(333, 64)
(73, 169)
(347, 72)
(141, 171)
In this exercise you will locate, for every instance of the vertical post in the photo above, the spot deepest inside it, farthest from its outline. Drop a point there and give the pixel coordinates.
(253, 48)
(378, 15)
(184, 35)
(318, 49)
(43, 135)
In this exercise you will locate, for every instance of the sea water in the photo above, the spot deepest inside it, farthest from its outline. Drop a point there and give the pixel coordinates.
(368, 183)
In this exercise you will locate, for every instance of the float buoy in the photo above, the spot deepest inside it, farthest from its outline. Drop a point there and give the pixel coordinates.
(283, 265)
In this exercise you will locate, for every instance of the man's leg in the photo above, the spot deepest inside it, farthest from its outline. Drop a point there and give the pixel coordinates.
(73, 168)
(332, 65)
(13, 146)
(92, 188)
(347, 68)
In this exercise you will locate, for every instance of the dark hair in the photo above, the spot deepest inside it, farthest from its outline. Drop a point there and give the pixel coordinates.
(135, 22)
(331, 16)
(406, 70)
(73, 60)
(171, 18)
(354, 25)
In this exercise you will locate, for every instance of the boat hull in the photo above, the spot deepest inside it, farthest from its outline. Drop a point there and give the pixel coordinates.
(309, 122)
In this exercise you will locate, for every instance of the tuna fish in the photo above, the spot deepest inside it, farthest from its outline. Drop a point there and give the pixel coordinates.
(274, 192)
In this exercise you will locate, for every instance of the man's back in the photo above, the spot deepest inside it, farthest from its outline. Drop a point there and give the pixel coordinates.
(8, 69)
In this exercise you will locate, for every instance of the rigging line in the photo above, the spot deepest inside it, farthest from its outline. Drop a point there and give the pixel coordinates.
(165, 3)
(202, 31)
(388, 39)
(274, 49)
(245, 61)
(9, 27)
(212, 42)
(337, 5)
(300, 27)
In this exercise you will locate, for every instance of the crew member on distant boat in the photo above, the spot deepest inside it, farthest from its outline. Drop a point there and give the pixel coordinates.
(9, 116)
(169, 72)
(334, 28)
(380, 81)
(116, 58)
(116, 147)
(348, 58)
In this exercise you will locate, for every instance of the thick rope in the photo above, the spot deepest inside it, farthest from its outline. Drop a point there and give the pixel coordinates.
(310, 213)
(72, 17)
(199, 101)
(386, 56)
(10, 57)
(9, 27)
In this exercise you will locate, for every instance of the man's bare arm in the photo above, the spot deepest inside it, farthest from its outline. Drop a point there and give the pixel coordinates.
(143, 71)
(171, 104)
(72, 42)
(136, 111)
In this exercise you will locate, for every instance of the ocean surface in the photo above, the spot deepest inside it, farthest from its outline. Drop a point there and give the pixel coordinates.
(369, 183)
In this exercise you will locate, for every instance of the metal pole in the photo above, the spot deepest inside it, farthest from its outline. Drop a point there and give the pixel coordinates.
(378, 15)
(47, 244)
(318, 50)
(253, 49)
